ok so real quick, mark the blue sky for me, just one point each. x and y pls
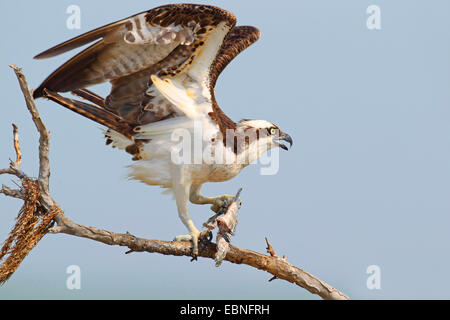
(366, 183)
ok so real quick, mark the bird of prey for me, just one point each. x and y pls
(163, 65)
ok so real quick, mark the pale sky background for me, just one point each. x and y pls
(367, 181)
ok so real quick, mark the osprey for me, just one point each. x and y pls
(163, 65)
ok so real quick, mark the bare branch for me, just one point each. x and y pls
(278, 267)
(13, 170)
(16, 145)
(270, 249)
(14, 193)
(44, 145)
(14, 166)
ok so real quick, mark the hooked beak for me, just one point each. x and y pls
(287, 138)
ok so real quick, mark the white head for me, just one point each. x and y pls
(259, 136)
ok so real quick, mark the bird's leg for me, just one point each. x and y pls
(182, 197)
(217, 202)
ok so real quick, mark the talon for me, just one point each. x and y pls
(222, 203)
(185, 237)
(193, 238)
(215, 208)
(205, 236)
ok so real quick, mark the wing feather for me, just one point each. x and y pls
(130, 45)
(188, 44)
(237, 40)
(81, 40)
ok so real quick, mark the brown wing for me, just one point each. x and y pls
(134, 97)
(237, 40)
(130, 50)
(161, 41)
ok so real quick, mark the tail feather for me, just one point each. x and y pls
(94, 112)
(90, 96)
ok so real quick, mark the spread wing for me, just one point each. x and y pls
(156, 62)
(237, 40)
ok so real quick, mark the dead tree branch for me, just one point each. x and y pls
(37, 192)
(44, 144)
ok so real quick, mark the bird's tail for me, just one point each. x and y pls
(96, 112)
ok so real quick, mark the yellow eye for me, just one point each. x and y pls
(273, 130)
